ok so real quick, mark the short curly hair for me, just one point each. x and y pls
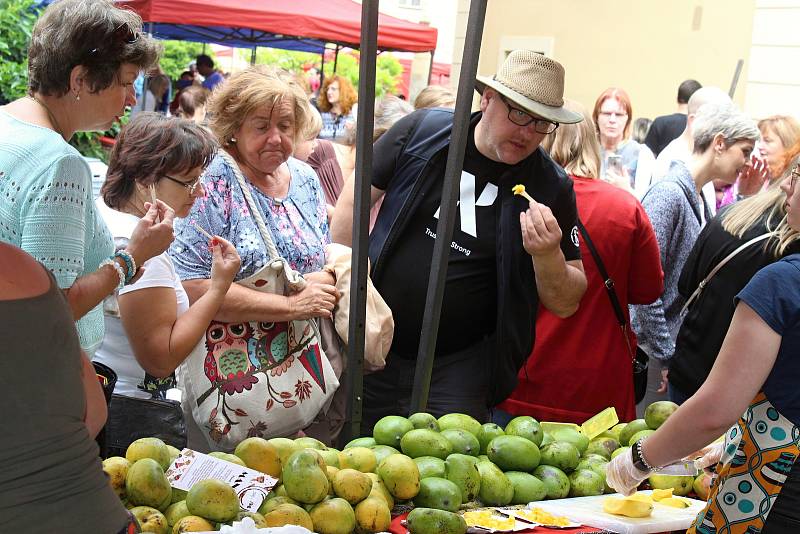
(150, 146)
(92, 33)
(258, 85)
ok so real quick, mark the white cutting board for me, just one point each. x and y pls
(589, 511)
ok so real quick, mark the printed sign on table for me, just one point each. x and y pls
(250, 485)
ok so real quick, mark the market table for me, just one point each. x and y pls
(398, 528)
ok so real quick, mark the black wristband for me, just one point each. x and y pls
(638, 460)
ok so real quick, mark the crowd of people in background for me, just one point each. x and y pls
(549, 305)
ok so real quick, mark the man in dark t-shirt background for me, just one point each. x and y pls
(506, 256)
(667, 127)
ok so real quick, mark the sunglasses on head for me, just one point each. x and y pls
(123, 34)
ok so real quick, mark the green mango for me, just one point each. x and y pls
(496, 489)
(527, 488)
(555, 481)
(459, 420)
(432, 521)
(430, 466)
(438, 493)
(462, 470)
(526, 427)
(425, 442)
(513, 453)
(487, 433)
(304, 477)
(462, 441)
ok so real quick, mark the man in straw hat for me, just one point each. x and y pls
(507, 255)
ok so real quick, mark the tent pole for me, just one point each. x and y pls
(430, 67)
(336, 58)
(146, 82)
(447, 216)
(253, 56)
(322, 67)
(354, 371)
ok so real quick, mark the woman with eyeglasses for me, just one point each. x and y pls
(150, 327)
(613, 116)
(723, 140)
(751, 397)
(83, 58)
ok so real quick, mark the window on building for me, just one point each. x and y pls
(410, 3)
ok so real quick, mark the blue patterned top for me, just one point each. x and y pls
(298, 223)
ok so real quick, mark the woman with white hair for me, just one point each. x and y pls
(723, 140)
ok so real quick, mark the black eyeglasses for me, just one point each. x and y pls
(123, 34)
(522, 118)
(191, 186)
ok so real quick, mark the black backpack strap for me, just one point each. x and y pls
(608, 282)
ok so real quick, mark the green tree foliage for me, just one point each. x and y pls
(17, 18)
(177, 56)
(388, 68)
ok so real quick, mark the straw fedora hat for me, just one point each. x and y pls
(534, 82)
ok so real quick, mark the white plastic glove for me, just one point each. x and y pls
(623, 476)
(708, 456)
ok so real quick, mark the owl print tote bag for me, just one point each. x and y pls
(264, 379)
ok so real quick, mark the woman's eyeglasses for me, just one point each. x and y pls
(191, 186)
(123, 34)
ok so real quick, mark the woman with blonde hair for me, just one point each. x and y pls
(258, 117)
(778, 134)
(558, 382)
(337, 104)
(706, 321)
(435, 96)
(751, 398)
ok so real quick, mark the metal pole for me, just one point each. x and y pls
(322, 68)
(735, 80)
(146, 81)
(253, 55)
(354, 377)
(447, 216)
(430, 67)
(336, 57)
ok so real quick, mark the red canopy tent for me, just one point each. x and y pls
(260, 22)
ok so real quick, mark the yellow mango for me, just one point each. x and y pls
(675, 502)
(627, 507)
(659, 494)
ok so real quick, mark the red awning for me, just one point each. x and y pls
(334, 21)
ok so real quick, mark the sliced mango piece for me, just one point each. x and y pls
(659, 494)
(675, 502)
(627, 507)
(644, 497)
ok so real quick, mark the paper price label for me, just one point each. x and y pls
(250, 485)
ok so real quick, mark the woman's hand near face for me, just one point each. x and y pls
(153, 234)
(753, 176)
(225, 264)
(316, 300)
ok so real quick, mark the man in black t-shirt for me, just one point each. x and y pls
(667, 127)
(506, 255)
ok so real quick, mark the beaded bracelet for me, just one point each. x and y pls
(130, 263)
(111, 261)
